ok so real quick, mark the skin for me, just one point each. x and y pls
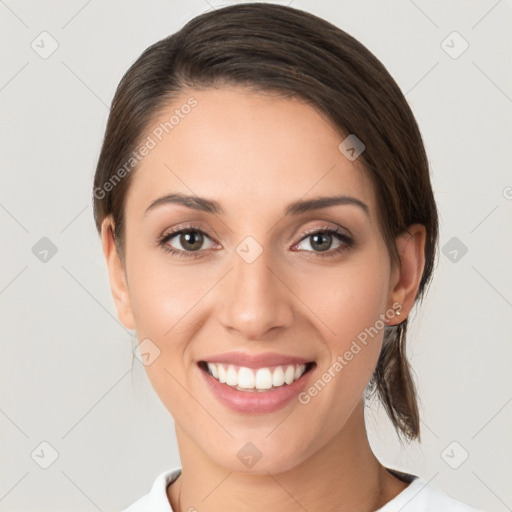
(255, 153)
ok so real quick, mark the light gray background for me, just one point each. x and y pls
(66, 360)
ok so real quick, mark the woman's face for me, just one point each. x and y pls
(251, 279)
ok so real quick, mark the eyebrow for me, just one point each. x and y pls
(295, 208)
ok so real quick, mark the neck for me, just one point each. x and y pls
(344, 475)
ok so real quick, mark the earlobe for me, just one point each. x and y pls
(117, 276)
(411, 247)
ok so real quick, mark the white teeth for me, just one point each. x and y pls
(289, 374)
(213, 370)
(278, 377)
(244, 378)
(231, 376)
(222, 373)
(263, 379)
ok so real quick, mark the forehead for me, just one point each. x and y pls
(245, 149)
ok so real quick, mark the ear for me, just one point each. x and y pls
(407, 276)
(117, 275)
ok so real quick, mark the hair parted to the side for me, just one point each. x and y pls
(283, 50)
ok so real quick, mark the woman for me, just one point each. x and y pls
(268, 222)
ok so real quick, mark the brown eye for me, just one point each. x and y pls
(185, 242)
(191, 240)
(321, 241)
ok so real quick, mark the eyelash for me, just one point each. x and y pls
(342, 237)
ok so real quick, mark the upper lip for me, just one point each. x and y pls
(256, 360)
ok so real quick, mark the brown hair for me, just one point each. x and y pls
(274, 48)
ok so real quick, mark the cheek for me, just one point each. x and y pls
(166, 304)
(346, 299)
(162, 294)
(348, 302)
(162, 298)
(351, 309)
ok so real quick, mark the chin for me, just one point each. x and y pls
(259, 458)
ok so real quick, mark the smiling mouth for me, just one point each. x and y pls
(256, 379)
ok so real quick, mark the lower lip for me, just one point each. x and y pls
(255, 402)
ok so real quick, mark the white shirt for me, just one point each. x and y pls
(418, 496)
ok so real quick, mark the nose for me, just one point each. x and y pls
(254, 298)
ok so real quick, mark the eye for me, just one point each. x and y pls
(320, 241)
(191, 239)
